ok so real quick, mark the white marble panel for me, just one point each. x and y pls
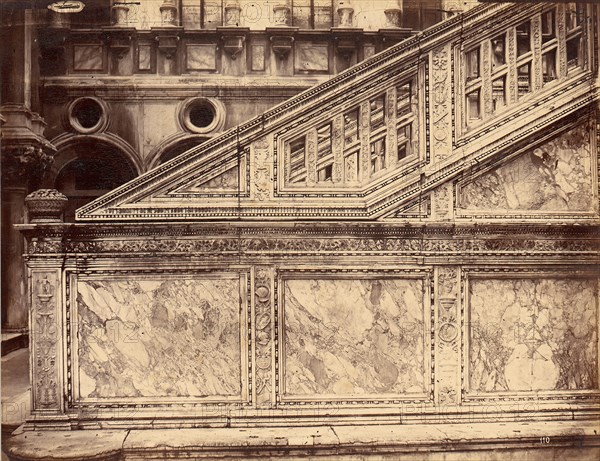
(354, 337)
(151, 338)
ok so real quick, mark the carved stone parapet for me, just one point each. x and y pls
(119, 13)
(60, 13)
(46, 205)
(232, 15)
(346, 15)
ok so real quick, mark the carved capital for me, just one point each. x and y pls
(20, 163)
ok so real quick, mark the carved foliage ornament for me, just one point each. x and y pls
(263, 337)
(45, 377)
(447, 335)
(19, 163)
(440, 107)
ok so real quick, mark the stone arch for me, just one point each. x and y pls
(172, 146)
(88, 166)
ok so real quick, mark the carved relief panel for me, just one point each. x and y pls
(448, 319)
(441, 93)
(261, 165)
(46, 331)
(264, 347)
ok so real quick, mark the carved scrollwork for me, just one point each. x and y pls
(263, 178)
(263, 334)
(447, 334)
(441, 106)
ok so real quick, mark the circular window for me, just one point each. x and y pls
(202, 115)
(87, 115)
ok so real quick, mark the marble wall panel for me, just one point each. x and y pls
(353, 337)
(554, 177)
(151, 338)
(311, 57)
(201, 57)
(533, 334)
(258, 57)
(145, 57)
(88, 57)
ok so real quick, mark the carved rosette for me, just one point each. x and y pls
(263, 335)
(262, 175)
(440, 103)
(45, 339)
(447, 336)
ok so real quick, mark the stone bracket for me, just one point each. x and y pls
(233, 39)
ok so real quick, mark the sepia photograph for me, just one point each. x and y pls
(361, 230)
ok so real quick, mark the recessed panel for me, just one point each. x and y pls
(533, 334)
(175, 337)
(555, 177)
(354, 337)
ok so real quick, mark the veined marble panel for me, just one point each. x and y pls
(88, 57)
(311, 57)
(354, 337)
(533, 334)
(554, 177)
(201, 57)
(149, 338)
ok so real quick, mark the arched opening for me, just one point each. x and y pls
(181, 147)
(91, 170)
